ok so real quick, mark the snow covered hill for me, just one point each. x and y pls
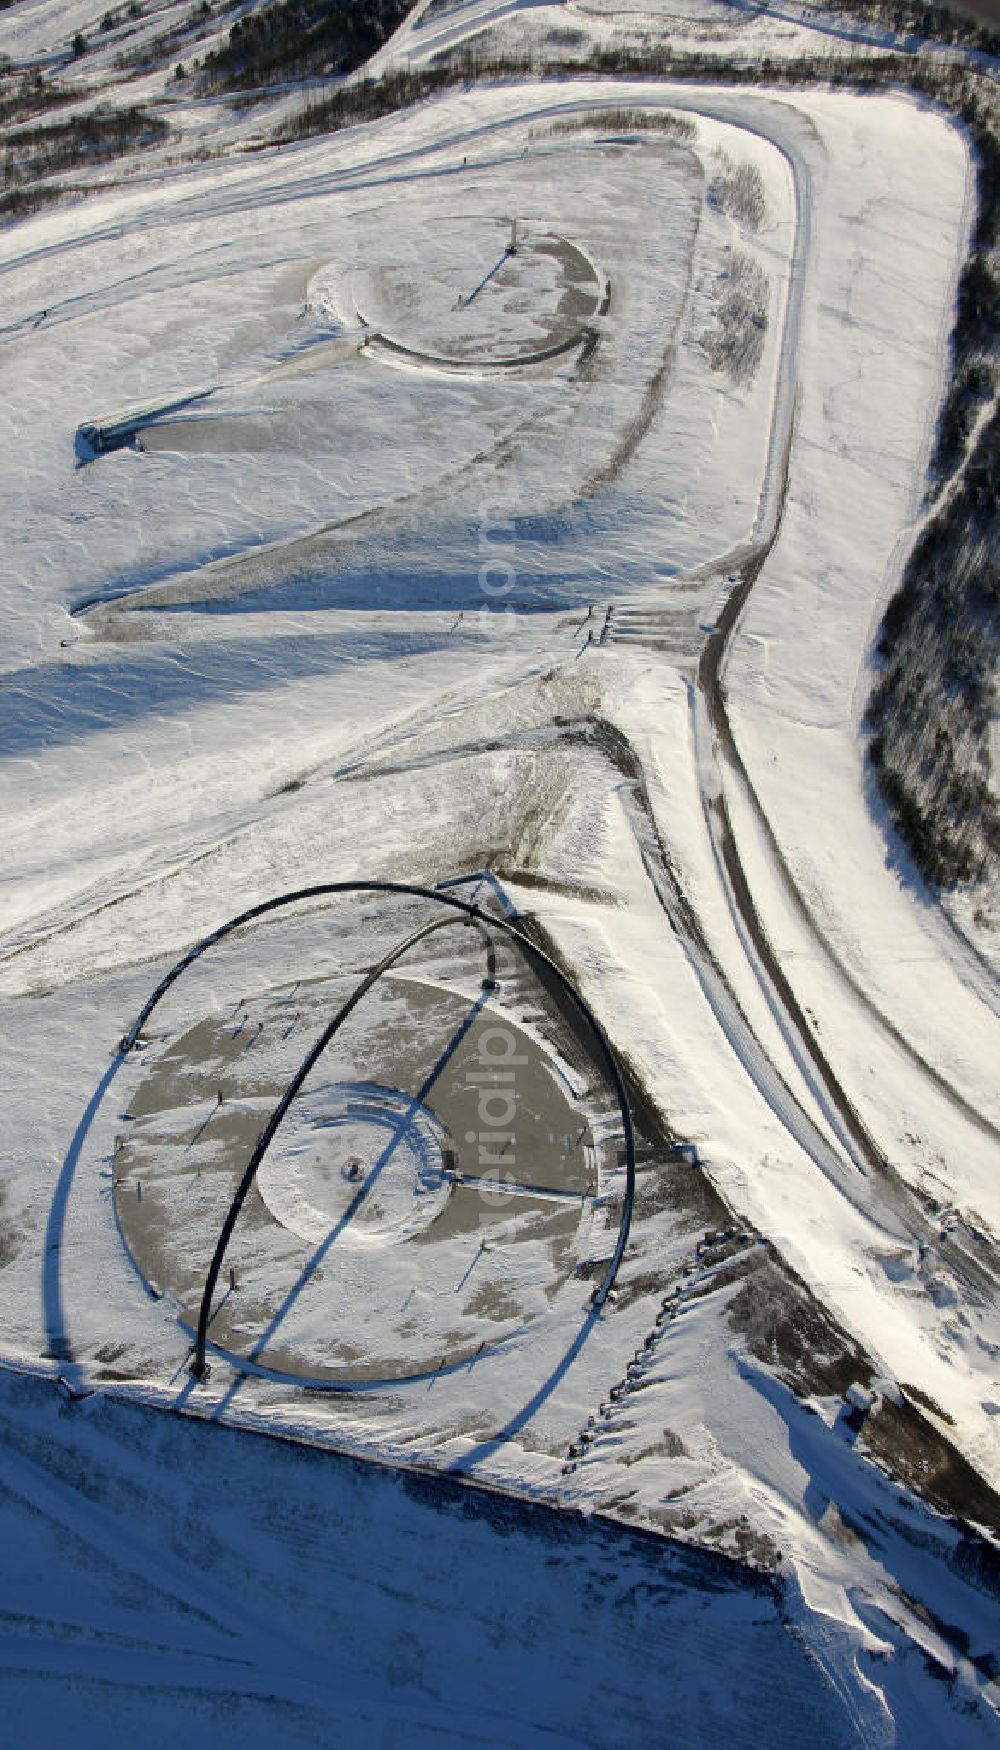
(503, 490)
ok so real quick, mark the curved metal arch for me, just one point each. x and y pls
(323, 890)
(199, 1366)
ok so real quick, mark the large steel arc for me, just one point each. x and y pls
(472, 914)
(266, 1137)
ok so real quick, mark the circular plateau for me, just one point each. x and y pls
(483, 292)
(430, 1190)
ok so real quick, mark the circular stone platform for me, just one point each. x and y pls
(471, 299)
(424, 1200)
(363, 1160)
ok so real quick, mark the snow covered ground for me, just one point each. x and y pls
(412, 548)
(243, 1592)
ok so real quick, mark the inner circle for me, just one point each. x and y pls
(481, 291)
(360, 1160)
